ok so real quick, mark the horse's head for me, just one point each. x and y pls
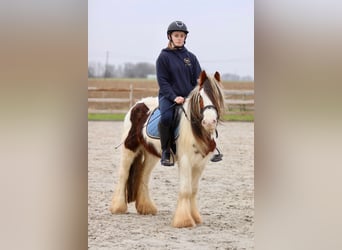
(207, 102)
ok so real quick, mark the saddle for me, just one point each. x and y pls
(153, 121)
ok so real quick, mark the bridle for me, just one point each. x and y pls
(210, 107)
(202, 109)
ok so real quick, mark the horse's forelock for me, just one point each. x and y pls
(213, 90)
(194, 108)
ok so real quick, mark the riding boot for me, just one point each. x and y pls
(165, 137)
(172, 140)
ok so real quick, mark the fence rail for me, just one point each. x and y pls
(119, 100)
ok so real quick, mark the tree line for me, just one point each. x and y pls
(127, 70)
(140, 70)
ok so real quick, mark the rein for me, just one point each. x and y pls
(186, 116)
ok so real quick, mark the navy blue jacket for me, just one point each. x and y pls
(177, 72)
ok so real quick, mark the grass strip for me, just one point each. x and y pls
(120, 117)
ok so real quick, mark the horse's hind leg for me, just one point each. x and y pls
(144, 204)
(119, 200)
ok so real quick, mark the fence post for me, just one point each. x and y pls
(130, 95)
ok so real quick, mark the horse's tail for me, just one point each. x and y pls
(134, 142)
(134, 177)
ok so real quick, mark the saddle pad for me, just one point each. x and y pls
(152, 125)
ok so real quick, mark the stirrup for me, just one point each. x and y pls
(217, 157)
(168, 162)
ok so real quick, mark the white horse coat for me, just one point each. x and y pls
(195, 145)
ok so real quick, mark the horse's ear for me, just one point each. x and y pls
(217, 76)
(203, 76)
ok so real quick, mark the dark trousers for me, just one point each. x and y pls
(166, 111)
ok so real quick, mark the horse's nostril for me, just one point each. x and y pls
(210, 122)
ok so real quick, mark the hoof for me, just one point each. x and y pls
(118, 208)
(198, 220)
(183, 223)
(197, 217)
(146, 209)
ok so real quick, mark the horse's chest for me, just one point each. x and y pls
(197, 156)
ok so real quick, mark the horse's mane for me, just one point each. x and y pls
(212, 88)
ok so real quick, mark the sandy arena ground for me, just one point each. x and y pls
(225, 199)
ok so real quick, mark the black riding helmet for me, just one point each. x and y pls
(177, 26)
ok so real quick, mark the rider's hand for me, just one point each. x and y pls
(179, 100)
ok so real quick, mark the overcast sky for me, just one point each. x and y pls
(221, 32)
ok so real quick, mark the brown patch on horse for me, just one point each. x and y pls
(205, 148)
(205, 143)
(134, 139)
(134, 178)
(150, 148)
(211, 146)
(139, 114)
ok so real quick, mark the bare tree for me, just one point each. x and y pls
(110, 71)
(128, 70)
(91, 71)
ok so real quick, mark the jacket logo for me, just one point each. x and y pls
(187, 61)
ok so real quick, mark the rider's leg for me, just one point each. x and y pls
(166, 116)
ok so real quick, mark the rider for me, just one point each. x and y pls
(177, 72)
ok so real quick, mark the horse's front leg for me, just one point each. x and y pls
(182, 217)
(196, 175)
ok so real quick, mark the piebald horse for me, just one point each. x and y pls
(195, 145)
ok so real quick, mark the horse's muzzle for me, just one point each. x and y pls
(209, 125)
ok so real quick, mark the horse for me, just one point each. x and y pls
(202, 111)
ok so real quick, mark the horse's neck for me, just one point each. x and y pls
(188, 141)
(186, 112)
(206, 143)
(185, 118)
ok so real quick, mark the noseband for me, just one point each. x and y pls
(208, 107)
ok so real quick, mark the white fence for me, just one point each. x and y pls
(235, 100)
